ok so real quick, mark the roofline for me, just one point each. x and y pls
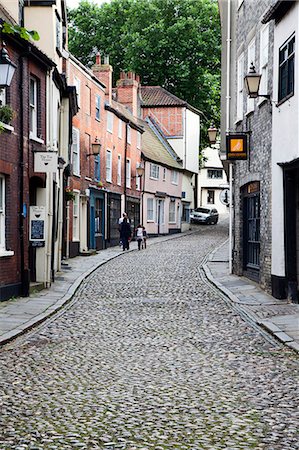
(278, 10)
(86, 70)
(146, 158)
(156, 130)
(124, 118)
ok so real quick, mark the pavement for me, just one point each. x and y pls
(278, 317)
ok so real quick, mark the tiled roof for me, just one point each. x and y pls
(156, 149)
(158, 96)
(124, 112)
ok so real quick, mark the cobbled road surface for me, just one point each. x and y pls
(149, 357)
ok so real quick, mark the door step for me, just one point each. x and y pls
(36, 287)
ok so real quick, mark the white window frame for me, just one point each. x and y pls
(164, 173)
(150, 210)
(172, 211)
(128, 134)
(240, 86)
(264, 60)
(128, 173)
(33, 108)
(138, 140)
(119, 170)
(120, 128)
(174, 177)
(108, 166)
(77, 84)
(110, 118)
(154, 171)
(58, 34)
(76, 216)
(98, 107)
(76, 151)
(250, 59)
(162, 211)
(2, 96)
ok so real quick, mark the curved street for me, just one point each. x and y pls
(149, 357)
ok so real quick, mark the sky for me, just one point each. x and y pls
(75, 3)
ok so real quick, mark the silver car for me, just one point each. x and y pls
(204, 215)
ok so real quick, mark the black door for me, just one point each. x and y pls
(252, 231)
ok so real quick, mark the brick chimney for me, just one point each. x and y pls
(103, 72)
(127, 91)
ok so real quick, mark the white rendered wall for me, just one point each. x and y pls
(284, 136)
(192, 140)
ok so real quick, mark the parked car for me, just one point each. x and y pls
(204, 215)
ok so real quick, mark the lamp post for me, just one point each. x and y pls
(212, 133)
(139, 174)
(7, 68)
(252, 83)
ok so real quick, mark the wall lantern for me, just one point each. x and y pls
(252, 83)
(7, 68)
(212, 133)
(95, 148)
(139, 171)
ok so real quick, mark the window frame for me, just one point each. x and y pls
(110, 120)
(33, 107)
(250, 59)
(129, 136)
(286, 62)
(154, 171)
(240, 87)
(220, 171)
(76, 216)
(172, 213)
(174, 177)
(109, 167)
(212, 193)
(152, 218)
(97, 168)
(77, 84)
(128, 173)
(98, 107)
(264, 61)
(76, 164)
(119, 170)
(3, 96)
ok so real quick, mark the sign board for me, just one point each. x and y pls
(224, 197)
(236, 146)
(45, 162)
(37, 223)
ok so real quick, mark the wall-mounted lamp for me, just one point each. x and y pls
(252, 83)
(139, 172)
(7, 68)
(95, 148)
(212, 133)
(61, 162)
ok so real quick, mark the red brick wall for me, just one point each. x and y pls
(169, 118)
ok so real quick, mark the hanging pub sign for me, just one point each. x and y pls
(236, 146)
(45, 162)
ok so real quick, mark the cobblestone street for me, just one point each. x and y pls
(148, 356)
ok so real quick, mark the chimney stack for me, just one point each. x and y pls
(103, 72)
(127, 91)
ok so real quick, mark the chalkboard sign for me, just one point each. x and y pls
(37, 230)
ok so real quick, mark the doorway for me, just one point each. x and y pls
(251, 231)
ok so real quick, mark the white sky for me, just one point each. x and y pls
(75, 3)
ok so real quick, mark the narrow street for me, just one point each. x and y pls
(148, 356)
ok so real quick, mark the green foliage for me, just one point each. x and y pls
(6, 114)
(8, 28)
(172, 43)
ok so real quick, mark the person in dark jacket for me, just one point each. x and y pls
(125, 234)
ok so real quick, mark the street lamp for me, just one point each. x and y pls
(7, 68)
(212, 133)
(95, 148)
(252, 83)
(139, 171)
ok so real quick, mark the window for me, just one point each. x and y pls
(172, 211)
(119, 170)
(250, 59)
(97, 168)
(76, 216)
(2, 213)
(77, 84)
(76, 151)
(138, 179)
(33, 107)
(109, 121)
(154, 171)
(128, 177)
(240, 84)
(58, 34)
(211, 197)
(164, 174)
(88, 100)
(108, 166)
(128, 134)
(215, 173)
(98, 107)
(2, 96)
(174, 177)
(150, 210)
(286, 69)
(98, 217)
(264, 56)
(120, 128)
(160, 212)
(138, 140)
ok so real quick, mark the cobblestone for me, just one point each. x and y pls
(149, 357)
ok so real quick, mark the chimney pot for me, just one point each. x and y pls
(98, 58)
(106, 59)
(122, 75)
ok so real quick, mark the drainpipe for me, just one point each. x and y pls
(24, 272)
(228, 98)
(125, 167)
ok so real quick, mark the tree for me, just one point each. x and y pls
(172, 43)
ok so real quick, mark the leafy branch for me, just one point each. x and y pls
(8, 28)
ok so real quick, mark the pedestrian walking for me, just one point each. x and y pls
(120, 221)
(144, 234)
(125, 234)
(139, 236)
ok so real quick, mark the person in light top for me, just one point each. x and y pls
(139, 235)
